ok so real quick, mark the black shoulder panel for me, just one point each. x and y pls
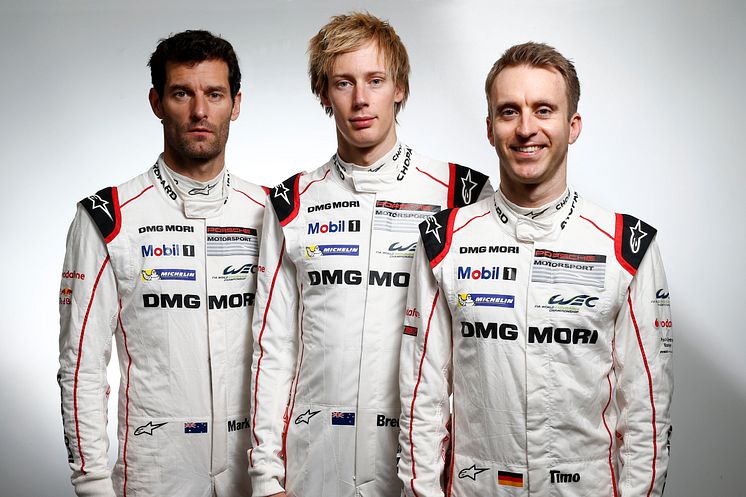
(103, 207)
(436, 234)
(285, 199)
(465, 185)
(631, 241)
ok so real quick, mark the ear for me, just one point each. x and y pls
(236, 106)
(398, 95)
(324, 97)
(576, 126)
(155, 103)
(490, 136)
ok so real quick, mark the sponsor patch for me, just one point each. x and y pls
(485, 300)
(486, 273)
(195, 427)
(148, 428)
(73, 275)
(401, 217)
(471, 472)
(661, 298)
(571, 304)
(236, 272)
(564, 267)
(232, 240)
(306, 416)
(167, 250)
(343, 418)
(326, 250)
(168, 274)
(410, 330)
(340, 226)
(66, 294)
(510, 479)
(399, 249)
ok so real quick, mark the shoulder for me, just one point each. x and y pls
(257, 194)
(631, 236)
(437, 232)
(465, 185)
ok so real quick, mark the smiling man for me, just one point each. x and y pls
(545, 316)
(335, 259)
(166, 263)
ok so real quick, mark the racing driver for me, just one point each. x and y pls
(165, 263)
(334, 268)
(546, 317)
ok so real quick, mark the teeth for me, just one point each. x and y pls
(528, 149)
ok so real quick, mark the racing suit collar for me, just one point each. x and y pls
(184, 193)
(382, 175)
(537, 223)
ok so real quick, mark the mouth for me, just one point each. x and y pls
(362, 122)
(527, 150)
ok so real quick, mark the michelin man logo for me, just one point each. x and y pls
(465, 300)
(150, 275)
(313, 251)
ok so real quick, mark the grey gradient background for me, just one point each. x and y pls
(662, 97)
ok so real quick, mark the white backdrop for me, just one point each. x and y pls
(662, 89)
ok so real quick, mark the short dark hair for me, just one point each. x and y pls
(537, 55)
(193, 46)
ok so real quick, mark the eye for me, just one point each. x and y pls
(376, 81)
(215, 95)
(342, 84)
(508, 113)
(544, 112)
(179, 94)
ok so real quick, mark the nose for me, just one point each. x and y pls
(527, 125)
(199, 107)
(360, 96)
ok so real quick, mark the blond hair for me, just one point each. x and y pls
(347, 33)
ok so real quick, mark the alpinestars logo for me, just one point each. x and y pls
(471, 472)
(467, 186)
(636, 237)
(205, 190)
(306, 417)
(282, 191)
(148, 428)
(433, 227)
(99, 203)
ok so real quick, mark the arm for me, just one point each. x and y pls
(424, 383)
(275, 329)
(88, 318)
(644, 360)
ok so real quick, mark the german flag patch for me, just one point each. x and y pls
(510, 479)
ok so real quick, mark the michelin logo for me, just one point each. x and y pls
(321, 250)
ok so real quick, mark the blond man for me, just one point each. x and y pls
(334, 269)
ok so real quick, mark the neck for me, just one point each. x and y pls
(364, 156)
(196, 169)
(532, 195)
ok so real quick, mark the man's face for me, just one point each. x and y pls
(529, 125)
(196, 110)
(362, 95)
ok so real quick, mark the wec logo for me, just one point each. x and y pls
(578, 300)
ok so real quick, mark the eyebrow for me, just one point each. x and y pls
(368, 74)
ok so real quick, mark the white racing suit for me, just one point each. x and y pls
(551, 328)
(170, 276)
(334, 268)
